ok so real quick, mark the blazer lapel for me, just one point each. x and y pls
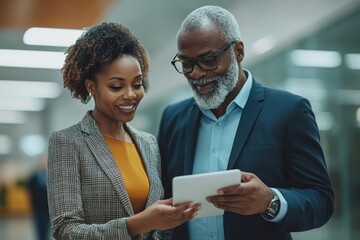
(250, 113)
(192, 130)
(104, 158)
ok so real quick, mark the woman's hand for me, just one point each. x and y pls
(162, 215)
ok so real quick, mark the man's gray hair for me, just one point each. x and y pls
(223, 19)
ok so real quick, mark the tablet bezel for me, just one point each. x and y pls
(197, 187)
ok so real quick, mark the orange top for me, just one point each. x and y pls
(132, 171)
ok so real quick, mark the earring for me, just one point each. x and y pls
(89, 94)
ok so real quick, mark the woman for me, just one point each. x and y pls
(103, 174)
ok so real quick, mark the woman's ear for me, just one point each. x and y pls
(90, 86)
(239, 51)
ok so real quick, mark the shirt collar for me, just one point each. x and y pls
(244, 93)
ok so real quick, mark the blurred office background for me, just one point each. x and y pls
(309, 47)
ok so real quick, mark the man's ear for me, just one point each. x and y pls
(239, 51)
(90, 86)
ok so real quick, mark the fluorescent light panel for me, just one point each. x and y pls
(263, 45)
(29, 89)
(12, 117)
(311, 88)
(352, 60)
(21, 103)
(51, 36)
(315, 58)
(31, 59)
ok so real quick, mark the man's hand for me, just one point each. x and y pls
(252, 196)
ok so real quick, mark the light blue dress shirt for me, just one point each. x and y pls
(215, 138)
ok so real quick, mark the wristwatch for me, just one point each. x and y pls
(274, 207)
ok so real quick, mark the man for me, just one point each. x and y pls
(233, 122)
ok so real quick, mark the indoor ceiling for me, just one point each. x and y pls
(155, 22)
(52, 13)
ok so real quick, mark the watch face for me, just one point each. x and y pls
(274, 207)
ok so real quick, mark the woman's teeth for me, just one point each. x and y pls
(126, 107)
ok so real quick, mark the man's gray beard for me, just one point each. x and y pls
(224, 85)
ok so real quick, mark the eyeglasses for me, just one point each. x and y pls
(204, 63)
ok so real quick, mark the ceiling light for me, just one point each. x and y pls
(51, 36)
(31, 59)
(32, 145)
(311, 88)
(263, 45)
(12, 117)
(315, 58)
(29, 89)
(352, 60)
(21, 103)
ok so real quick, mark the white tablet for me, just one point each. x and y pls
(197, 187)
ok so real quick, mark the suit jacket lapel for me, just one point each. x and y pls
(249, 115)
(103, 156)
(192, 130)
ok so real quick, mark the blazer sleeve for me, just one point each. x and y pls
(65, 199)
(310, 197)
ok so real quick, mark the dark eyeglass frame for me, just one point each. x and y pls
(196, 61)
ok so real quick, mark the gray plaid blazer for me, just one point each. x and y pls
(86, 193)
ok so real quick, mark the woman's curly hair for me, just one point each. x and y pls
(95, 50)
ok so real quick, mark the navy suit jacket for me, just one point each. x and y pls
(278, 140)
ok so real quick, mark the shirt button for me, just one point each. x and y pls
(215, 150)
